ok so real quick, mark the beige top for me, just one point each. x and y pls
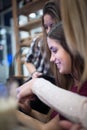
(70, 105)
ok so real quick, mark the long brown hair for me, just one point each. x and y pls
(53, 10)
(57, 33)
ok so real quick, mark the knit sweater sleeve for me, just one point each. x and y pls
(70, 105)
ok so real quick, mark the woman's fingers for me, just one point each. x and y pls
(76, 127)
(69, 125)
(66, 124)
(25, 90)
(36, 75)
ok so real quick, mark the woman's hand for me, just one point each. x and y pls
(67, 125)
(77, 127)
(24, 106)
(25, 91)
(36, 74)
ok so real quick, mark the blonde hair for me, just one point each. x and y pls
(74, 17)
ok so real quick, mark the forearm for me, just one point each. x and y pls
(30, 67)
(70, 105)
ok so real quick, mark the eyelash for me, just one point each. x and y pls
(46, 27)
(52, 25)
(54, 50)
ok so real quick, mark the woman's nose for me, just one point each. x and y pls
(48, 30)
(52, 58)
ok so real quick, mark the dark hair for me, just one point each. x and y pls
(52, 9)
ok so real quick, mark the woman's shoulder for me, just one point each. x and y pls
(83, 89)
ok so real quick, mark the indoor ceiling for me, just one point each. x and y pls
(5, 4)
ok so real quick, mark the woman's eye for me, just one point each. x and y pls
(54, 50)
(52, 25)
(45, 27)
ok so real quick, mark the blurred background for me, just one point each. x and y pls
(20, 21)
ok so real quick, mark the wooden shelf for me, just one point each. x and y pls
(26, 42)
(31, 7)
(20, 77)
(31, 25)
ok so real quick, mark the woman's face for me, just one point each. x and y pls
(59, 56)
(49, 22)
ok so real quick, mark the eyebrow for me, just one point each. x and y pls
(48, 24)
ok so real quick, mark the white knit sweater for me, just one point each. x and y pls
(70, 105)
